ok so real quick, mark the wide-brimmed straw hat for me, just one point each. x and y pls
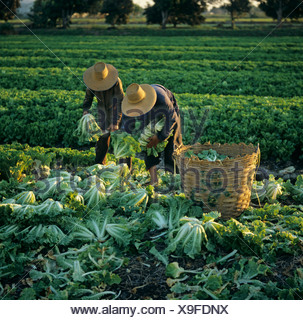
(101, 76)
(138, 100)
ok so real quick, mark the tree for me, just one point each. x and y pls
(68, 7)
(279, 9)
(153, 14)
(190, 12)
(8, 9)
(165, 6)
(159, 12)
(42, 14)
(94, 7)
(175, 12)
(46, 13)
(237, 8)
(117, 11)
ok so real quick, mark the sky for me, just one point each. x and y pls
(142, 3)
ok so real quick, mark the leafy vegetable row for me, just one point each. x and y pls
(137, 63)
(184, 48)
(262, 83)
(79, 229)
(49, 117)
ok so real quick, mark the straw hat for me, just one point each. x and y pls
(138, 100)
(101, 76)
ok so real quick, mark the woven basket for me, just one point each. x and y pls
(223, 186)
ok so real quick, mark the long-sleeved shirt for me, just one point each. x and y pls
(166, 105)
(109, 104)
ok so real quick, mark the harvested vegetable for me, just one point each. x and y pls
(49, 187)
(173, 270)
(88, 129)
(273, 190)
(258, 191)
(150, 130)
(158, 216)
(268, 190)
(26, 197)
(95, 196)
(100, 230)
(124, 145)
(209, 155)
(49, 206)
(296, 191)
(91, 181)
(190, 237)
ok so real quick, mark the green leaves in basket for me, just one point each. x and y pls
(209, 155)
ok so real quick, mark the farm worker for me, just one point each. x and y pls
(149, 103)
(102, 82)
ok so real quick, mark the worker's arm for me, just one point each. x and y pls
(117, 102)
(170, 115)
(88, 100)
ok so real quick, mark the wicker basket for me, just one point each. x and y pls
(225, 185)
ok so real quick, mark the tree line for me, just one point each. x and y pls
(50, 13)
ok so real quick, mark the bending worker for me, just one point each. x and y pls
(150, 103)
(102, 82)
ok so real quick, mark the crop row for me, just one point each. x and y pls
(229, 83)
(121, 63)
(17, 159)
(49, 117)
(91, 42)
(155, 53)
(53, 234)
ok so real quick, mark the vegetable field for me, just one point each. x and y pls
(70, 229)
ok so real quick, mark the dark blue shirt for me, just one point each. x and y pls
(166, 105)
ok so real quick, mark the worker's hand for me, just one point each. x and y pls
(85, 112)
(113, 127)
(153, 141)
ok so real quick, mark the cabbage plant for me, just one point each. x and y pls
(150, 130)
(88, 130)
(26, 197)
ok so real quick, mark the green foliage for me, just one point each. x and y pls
(281, 9)
(25, 197)
(75, 246)
(209, 155)
(190, 237)
(18, 160)
(188, 12)
(101, 229)
(88, 129)
(6, 28)
(175, 12)
(252, 114)
(95, 196)
(174, 270)
(236, 8)
(150, 130)
(124, 145)
(117, 11)
(268, 191)
(47, 13)
(159, 12)
(74, 249)
(8, 9)
(43, 14)
(296, 191)
(75, 202)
